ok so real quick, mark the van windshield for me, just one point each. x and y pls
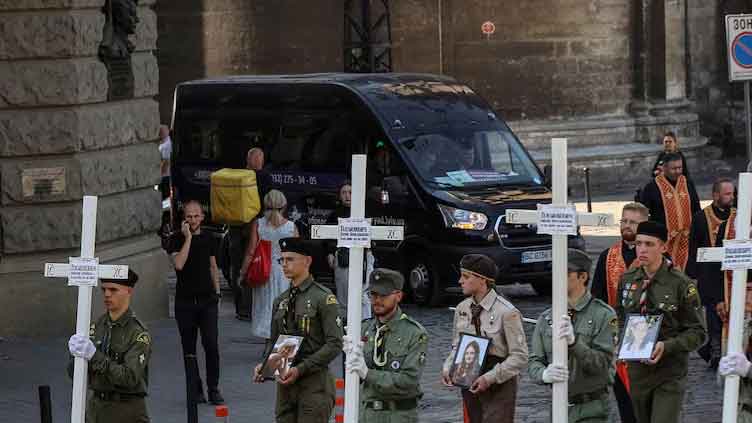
(461, 158)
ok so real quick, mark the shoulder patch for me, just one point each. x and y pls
(92, 328)
(331, 299)
(143, 338)
(691, 290)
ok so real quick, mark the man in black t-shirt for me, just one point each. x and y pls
(197, 295)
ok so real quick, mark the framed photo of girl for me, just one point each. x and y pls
(639, 337)
(468, 359)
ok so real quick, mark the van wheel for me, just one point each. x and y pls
(424, 282)
(542, 288)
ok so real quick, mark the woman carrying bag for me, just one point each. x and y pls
(263, 253)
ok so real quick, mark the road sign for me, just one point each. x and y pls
(488, 28)
(739, 46)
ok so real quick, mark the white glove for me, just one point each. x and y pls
(734, 364)
(349, 345)
(566, 330)
(81, 346)
(555, 373)
(355, 363)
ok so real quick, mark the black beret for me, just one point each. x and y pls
(578, 261)
(131, 281)
(654, 229)
(295, 245)
(385, 281)
(481, 265)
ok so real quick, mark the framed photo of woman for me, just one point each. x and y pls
(280, 359)
(468, 359)
(640, 336)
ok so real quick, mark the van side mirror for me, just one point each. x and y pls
(547, 172)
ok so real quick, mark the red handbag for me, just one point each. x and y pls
(261, 265)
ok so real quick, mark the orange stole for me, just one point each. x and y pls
(714, 222)
(615, 268)
(678, 209)
(728, 277)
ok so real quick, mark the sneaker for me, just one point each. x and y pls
(215, 398)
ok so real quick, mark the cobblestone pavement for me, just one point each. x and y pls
(26, 364)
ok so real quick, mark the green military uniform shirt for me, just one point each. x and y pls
(591, 357)
(673, 295)
(313, 313)
(119, 370)
(392, 384)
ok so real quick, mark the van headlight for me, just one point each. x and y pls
(463, 219)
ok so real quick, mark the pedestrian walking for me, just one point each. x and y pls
(492, 392)
(272, 227)
(612, 263)
(705, 226)
(118, 349)
(590, 328)
(391, 357)
(672, 200)
(670, 146)
(306, 391)
(658, 289)
(197, 296)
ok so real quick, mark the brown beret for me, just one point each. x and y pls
(481, 265)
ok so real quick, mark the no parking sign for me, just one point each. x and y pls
(739, 43)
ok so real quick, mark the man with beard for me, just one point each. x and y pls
(391, 362)
(672, 201)
(612, 264)
(705, 225)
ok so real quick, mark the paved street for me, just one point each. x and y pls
(24, 365)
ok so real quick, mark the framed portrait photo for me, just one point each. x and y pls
(639, 337)
(468, 359)
(280, 359)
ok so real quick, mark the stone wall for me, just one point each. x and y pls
(61, 139)
(229, 37)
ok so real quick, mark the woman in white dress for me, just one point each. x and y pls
(272, 227)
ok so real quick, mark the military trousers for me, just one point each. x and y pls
(131, 411)
(309, 400)
(595, 411)
(496, 405)
(658, 402)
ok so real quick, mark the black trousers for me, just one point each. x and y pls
(200, 314)
(623, 401)
(712, 348)
(241, 292)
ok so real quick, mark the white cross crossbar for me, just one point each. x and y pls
(521, 217)
(104, 271)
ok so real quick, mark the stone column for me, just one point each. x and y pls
(60, 139)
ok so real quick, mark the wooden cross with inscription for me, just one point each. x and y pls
(735, 255)
(84, 272)
(355, 233)
(559, 220)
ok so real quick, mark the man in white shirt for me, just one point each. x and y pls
(165, 151)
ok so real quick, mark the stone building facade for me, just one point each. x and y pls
(63, 137)
(611, 75)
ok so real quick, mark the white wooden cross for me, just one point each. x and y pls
(737, 255)
(558, 219)
(356, 233)
(84, 272)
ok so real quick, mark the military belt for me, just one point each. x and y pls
(117, 396)
(392, 405)
(588, 396)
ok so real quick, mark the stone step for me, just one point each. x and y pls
(620, 167)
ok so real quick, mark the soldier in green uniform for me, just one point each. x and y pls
(390, 357)
(305, 394)
(656, 288)
(118, 349)
(591, 331)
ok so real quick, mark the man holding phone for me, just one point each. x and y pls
(197, 295)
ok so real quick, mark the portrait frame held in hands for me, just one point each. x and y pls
(639, 337)
(469, 359)
(280, 359)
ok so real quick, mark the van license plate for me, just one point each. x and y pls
(535, 256)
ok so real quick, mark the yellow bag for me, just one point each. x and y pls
(234, 196)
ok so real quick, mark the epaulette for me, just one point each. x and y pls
(603, 304)
(407, 318)
(140, 323)
(506, 302)
(322, 287)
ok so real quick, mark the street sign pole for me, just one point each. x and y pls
(739, 47)
(748, 122)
